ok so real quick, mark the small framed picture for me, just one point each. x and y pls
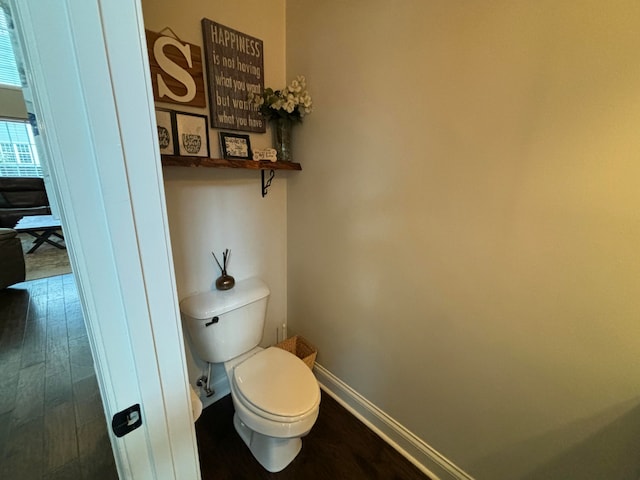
(235, 146)
(166, 125)
(192, 135)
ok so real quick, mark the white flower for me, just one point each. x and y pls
(289, 106)
(277, 105)
(293, 99)
(295, 86)
(256, 99)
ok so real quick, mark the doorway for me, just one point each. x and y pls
(52, 420)
(90, 70)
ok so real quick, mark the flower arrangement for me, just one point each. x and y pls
(291, 103)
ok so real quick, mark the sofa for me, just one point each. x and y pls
(11, 258)
(21, 196)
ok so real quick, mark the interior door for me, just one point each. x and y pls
(86, 63)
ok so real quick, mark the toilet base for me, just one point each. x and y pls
(274, 454)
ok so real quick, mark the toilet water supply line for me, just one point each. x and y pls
(203, 381)
(208, 389)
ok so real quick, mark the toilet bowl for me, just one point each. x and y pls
(271, 416)
(275, 392)
(275, 395)
(196, 404)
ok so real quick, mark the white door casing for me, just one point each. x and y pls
(86, 61)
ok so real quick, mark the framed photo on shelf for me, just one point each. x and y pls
(166, 129)
(192, 135)
(235, 146)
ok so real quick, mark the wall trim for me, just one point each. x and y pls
(428, 460)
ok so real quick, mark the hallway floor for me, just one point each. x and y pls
(52, 424)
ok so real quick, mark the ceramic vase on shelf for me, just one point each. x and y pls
(282, 138)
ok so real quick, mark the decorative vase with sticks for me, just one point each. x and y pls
(224, 281)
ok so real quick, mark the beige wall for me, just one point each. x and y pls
(12, 103)
(464, 238)
(213, 209)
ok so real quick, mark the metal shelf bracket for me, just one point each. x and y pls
(267, 184)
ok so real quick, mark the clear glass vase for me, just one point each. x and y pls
(282, 138)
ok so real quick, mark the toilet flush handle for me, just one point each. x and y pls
(213, 320)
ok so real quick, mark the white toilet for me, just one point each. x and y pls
(196, 404)
(275, 395)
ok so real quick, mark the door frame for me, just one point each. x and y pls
(87, 65)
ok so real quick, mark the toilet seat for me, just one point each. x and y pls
(276, 385)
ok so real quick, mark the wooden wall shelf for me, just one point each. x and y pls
(262, 165)
(178, 161)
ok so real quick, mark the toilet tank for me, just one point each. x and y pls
(223, 324)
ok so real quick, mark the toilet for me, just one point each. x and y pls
(275, 395)
(196, 404)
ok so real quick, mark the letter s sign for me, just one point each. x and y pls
(173, 69)
(176, 70)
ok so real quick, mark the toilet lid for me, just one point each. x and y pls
(277, 382)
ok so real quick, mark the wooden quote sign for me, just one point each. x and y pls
(176, 70)
(235, 65)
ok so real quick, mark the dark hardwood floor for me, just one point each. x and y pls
(52, 424)
(338, 447)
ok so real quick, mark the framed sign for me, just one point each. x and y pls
(166, 126)
(192, 135)
(176, 70)
(235, 67)
(235, 146)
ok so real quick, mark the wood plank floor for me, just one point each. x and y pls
(52, 424)
(338, 447)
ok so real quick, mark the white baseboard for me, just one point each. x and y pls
(428, 460)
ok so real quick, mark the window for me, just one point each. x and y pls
(18, 154)
(8, 71)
